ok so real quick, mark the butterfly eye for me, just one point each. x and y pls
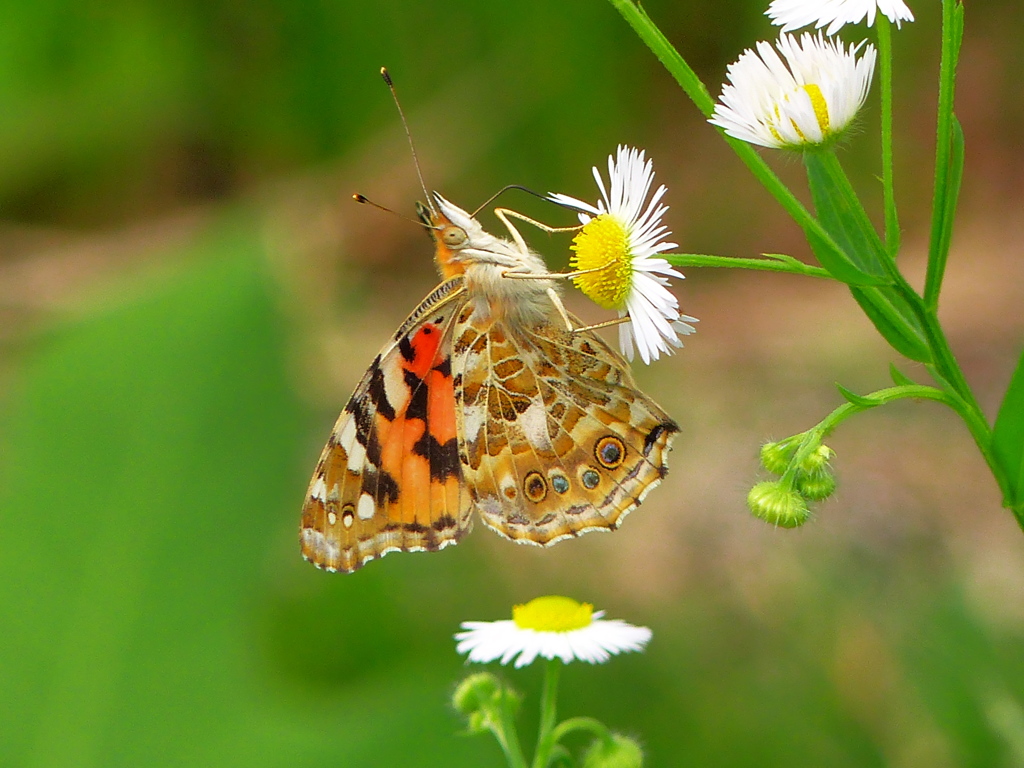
(453, 237)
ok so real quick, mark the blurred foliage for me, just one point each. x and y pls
(155, 447)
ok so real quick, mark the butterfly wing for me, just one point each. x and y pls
(389, 478)
(557, 439)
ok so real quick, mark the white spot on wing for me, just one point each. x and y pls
(356, 457)
(347, 436)
(472, 419)
(319, 490)
(323, 548)
(366, 508)
(534, 422)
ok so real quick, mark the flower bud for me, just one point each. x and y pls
(617, 752)
(815, 480)
(777, 505)
(818, 459)
(775, 457)
(474, 692)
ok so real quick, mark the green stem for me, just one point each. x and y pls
(596, 727)
(968, 412)
(772, 262)
(506, 733)
(676, 65)
(937, 251)
(548, 714)
(892, 224)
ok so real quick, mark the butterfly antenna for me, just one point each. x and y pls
(502, 191)
(367, 201)
(408, 134)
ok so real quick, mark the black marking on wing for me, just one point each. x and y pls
(378, 394)
(443, 522)
(656, 433)
(417, 408)
(365, 432)
(406, 348)
(384, 485)
(443, 458)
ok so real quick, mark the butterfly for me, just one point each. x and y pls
(484, 402)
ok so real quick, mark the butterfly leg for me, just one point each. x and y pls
(557, 301)
(605, 324)
(504, 213)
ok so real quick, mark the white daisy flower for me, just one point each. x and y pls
(794, 14)
(807, 101)
(620, 238)
(552, 627)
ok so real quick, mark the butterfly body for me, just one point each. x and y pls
(483, 401)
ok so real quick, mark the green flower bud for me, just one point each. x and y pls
(818, 459)
(475, 692)
(816, 486)
(780, 506)
(618, 752)
(815, 480)
(775, 457)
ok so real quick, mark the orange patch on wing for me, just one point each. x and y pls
(441, 406)
(425, 344)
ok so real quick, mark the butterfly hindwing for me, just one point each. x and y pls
(557, 440)
(389, 477)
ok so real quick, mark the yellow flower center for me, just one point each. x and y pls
(820, 107)
(553, 614)
(603, 245)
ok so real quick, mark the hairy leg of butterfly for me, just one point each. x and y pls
(504, 213)
(605, 324)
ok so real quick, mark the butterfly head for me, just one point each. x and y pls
(460, 241)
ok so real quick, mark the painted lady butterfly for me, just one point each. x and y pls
(483, 400)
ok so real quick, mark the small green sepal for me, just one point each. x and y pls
(899, 378)
(853, 397)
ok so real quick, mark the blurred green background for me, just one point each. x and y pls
(188, 295)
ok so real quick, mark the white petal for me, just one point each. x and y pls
(794, 14)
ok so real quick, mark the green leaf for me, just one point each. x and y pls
(841, 214)
(1008, 436)
(855, 399)
(899, 378)
(894, 319)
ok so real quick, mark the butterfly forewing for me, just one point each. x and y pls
(389, 477)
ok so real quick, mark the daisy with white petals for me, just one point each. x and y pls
(618, 244)
(808, 100)
(794, 14)
(551, 627)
